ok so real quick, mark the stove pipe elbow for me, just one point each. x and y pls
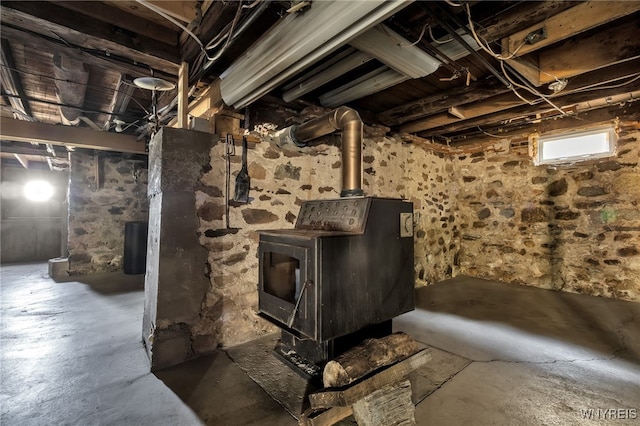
(347, 121)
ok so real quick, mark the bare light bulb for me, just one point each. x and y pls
(38, 190)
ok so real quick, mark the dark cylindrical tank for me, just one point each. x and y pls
(135, 247)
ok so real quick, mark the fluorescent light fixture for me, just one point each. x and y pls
(575, 146)
(38, 191)
(373, 82)
(396, 52)
(454, 50)
(347, 64)
(297, 41)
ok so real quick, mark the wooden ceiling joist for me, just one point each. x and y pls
(79, 137)
(116, 16)
(184, 11)
(22, 159)
(74, 28)
(29, 150)
(567, 104)
(569, 23)
(574, 57)
(481, 111)
(12, 83)
(580, 55)
(441, 102)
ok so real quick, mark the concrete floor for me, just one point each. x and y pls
(71, 354)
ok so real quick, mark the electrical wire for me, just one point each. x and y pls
(233, 25)
(436, 40)
(598, 86)
(489, 134)
(174, 21)
(533, 91)
(501, 59)
(487, 48)
(421, 34)
(454, 4)
(215, 41)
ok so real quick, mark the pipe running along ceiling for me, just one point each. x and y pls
(297, 41)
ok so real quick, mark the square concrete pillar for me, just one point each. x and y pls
(175, 281)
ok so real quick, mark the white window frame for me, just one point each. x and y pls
(540, 141)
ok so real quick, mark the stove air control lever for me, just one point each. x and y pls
(292, 317)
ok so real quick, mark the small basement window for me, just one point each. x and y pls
(573, 147)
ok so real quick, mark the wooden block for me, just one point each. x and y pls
(368, 357)
(390, 405)
(393, 374)
(324, 418)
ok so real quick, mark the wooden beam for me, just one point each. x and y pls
(581, 55)
(117, 17)
(569, 104)
(509, 100)
(472, 110)
(48, 43)
(28, 150)
(528, 67)
(185, 11)
(22, 160)
(80, 137)
(209, 103)
(183, 96)
(75, 28)
(12, 82)
(628, 114)
(570, 22)
(513, 19)
(441, 102)
(206, 105)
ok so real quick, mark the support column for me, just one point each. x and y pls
(175, 281)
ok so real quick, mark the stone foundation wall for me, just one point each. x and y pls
(280, 181)
(489, 214)
(571, 228)
(98, 210)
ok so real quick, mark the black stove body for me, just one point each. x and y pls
(339, 276)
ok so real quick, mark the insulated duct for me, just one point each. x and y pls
(71, 86)
(297, 41)
(346, 120)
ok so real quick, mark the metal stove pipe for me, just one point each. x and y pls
(346, 120)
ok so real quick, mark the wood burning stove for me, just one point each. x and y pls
(341, 274)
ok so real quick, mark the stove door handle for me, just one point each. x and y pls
(292, 317)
